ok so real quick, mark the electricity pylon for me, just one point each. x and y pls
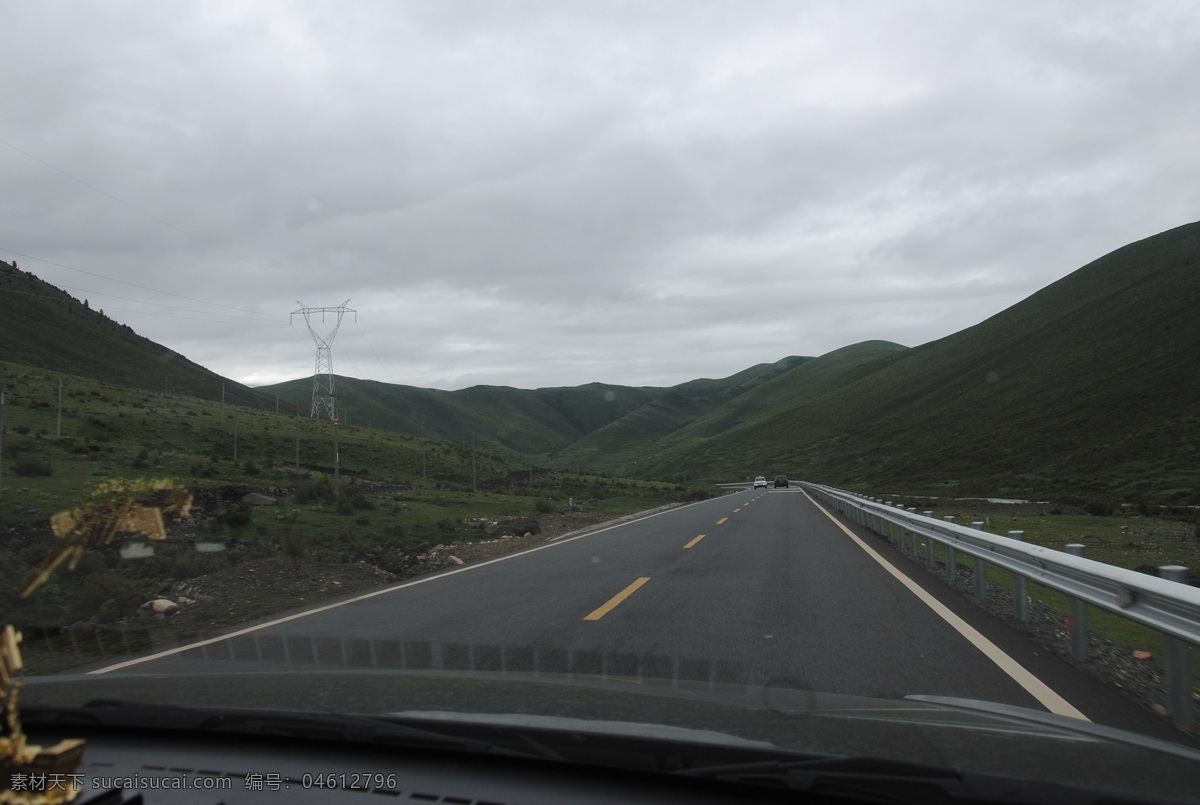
(322, 395)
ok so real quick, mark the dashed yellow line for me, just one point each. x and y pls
(723, 519)
(693, 542)
(617, 599)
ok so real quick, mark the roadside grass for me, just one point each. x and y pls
(396, 495)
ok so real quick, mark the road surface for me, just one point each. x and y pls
(759, 587)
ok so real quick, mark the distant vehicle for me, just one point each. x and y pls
(760, 482)
(781, 480)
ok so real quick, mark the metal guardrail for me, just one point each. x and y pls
(1161, 603)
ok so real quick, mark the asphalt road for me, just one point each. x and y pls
(756, 587)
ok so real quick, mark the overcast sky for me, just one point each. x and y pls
(552, 193)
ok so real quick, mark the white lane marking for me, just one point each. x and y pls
(1036, 687)
(365, 596)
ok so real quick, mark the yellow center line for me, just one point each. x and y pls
(693, 542)
(735, 511)
(723, 519)
(617, 599)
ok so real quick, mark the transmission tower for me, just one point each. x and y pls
(322, 395)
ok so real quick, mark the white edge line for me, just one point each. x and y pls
(365, 596)
(1034, 686)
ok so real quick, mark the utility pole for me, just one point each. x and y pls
(421, 430)
(336, 454)
(322, 395)
(235, 429)
(297, 442)
(58, 427)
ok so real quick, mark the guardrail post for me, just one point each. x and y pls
(980, 568)
(912, 537)
(951, 555)
(1178, 660)
(1020, 595)
(1020, 599)
(929, 557)
(1077, 615)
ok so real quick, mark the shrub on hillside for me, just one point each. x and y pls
(314, 490)
(239, 515)
(33, 467)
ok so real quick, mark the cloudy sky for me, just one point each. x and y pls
(533, 194)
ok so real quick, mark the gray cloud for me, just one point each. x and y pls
(546, 193)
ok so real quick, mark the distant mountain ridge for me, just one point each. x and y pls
(543, 425)
(1091, 385)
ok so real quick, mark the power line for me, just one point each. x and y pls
(133, 284)
(227, 317)
(392, 374)
(175, 316)
(104, 247)
(133, 207)
(104, 193)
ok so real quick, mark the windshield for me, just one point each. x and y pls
(379, 359)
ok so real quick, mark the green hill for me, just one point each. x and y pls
(50, 329)
(1089, 385)
(744, 437)
(548, 425)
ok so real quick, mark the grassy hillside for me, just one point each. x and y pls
(1091, 385)
(624, 444)
(743, 437)
(48, 328)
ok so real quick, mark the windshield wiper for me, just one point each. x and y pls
(866, 779)
(286, 724)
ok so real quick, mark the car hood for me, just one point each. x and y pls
(965, 735)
